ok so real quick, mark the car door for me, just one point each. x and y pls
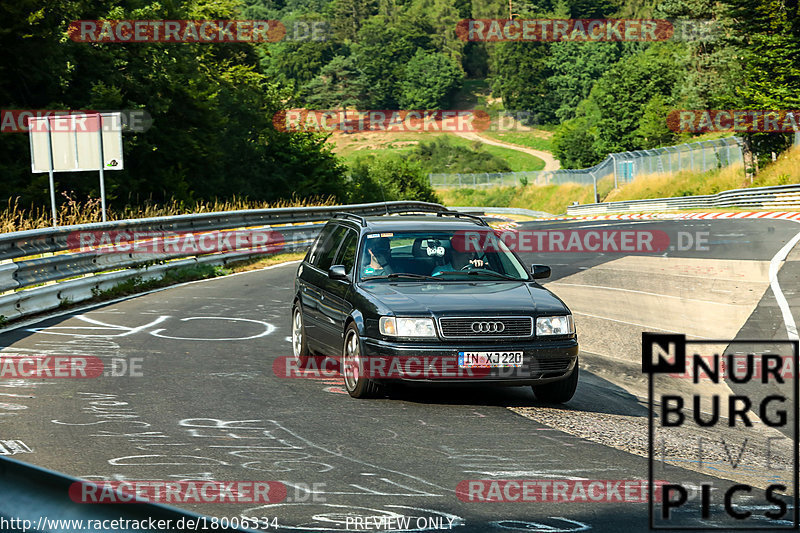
(313, 275)
(335, 291)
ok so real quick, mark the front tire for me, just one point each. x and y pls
(558, 391)
(356, 383)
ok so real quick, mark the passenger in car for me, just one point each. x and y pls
(458, 257)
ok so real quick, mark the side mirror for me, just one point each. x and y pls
(337, 272)
(540, 271)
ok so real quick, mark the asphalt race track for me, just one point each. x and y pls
(197, 398)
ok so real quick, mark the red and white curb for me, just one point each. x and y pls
(782, 215)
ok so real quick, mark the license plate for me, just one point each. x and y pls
(489, 359)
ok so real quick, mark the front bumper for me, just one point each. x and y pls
(437, 362)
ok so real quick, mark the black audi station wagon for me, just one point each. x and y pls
(430, 299)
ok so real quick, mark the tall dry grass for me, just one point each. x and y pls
(72, 211)
(784, 171)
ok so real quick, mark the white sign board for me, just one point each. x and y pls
(75, 142)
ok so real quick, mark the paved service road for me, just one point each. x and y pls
(203, 403)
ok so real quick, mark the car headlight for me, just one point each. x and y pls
(407, 327)
(554, 325)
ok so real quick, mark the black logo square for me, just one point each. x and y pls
(663, 346)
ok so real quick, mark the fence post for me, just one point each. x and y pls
(704, 159)
(614, 162)
(596, 196)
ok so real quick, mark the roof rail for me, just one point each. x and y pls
(474, 218)
(358, 218)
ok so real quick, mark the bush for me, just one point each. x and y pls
(388, 179)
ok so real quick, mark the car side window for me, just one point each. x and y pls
(313, 254)
(329, 248)
(347, 252)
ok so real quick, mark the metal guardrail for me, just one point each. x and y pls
(31, 493)
(782, 196)
(37, 257)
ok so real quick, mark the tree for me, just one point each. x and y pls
(382, 52)
(573, 144)
(429, 81)
(212, 133)
(619, 97)
(653, 131)
(348, 16)
(768, 41)
(339, 85)
(519, 76)
(575, 68)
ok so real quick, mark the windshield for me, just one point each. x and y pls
(438, 255)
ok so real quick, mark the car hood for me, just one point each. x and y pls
(467, 298)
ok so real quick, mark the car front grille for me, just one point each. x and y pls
(486, 327)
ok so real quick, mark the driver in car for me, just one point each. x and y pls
(460, 257)
(377, 257)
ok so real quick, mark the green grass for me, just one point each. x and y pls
(171, 277)
(533, 139)
(548, 198)
(518, 161)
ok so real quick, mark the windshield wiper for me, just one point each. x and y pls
(493, 273)
(395, 275)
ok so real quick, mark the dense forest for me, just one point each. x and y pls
(212, 104)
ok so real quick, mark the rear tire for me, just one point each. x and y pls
(356, 383)
(299, 345)
(558, 391)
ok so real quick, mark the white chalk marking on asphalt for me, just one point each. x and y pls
(12, 406)
(13, 447)
(358, 461)
(268, 328)
(538, 527)
(102, 325)
(774, 267)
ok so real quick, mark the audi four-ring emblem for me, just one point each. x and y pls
(488, 327)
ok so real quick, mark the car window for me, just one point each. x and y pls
(329, 248)
(347, 252)
(313, 254)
